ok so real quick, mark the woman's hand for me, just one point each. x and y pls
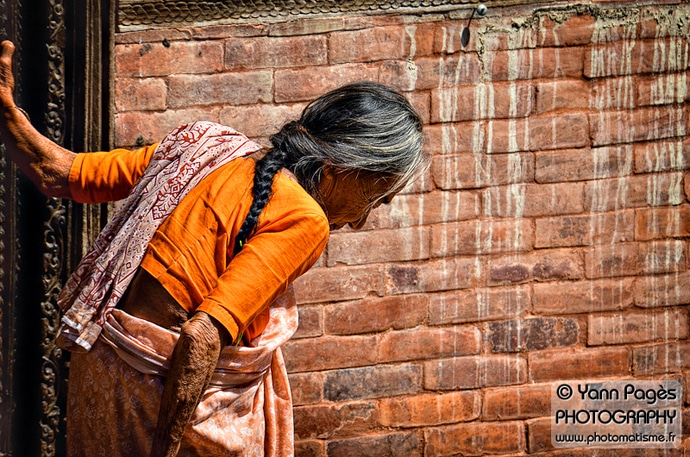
(45, 163)
(6, 75)
(193, 361)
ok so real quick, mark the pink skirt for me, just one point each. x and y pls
(115, 391)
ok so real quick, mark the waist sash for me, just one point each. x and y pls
(148, 347)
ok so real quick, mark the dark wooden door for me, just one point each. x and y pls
(61, 68)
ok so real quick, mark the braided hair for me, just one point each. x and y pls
(264, 171)
(361, 127)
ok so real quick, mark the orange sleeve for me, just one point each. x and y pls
(99, 177)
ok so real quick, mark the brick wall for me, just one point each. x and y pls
(548, 240)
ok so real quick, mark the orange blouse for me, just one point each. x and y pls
(191, 254)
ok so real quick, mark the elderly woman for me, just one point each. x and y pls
(176, 316)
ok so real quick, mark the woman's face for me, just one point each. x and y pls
(348, 197)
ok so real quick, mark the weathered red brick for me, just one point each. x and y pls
(558, 364)
(562, 95)
(454, 138)
(583, 164)
(662, 290)
(372, 382)
(584, 230)
(539, 436)
(665, 257)
(328, 352)
(613, 93)
(260, 121)
(328, 421)
(582, 296)
(541, 265)
(501, 36)
(635, 259)
(431, 72)
(482, 237)
(637, 327)
(564, 131)
(447, 38)
(478, 305)
(533, 334)
(310, 322)
(574, 30)
(402, 443)
(425, 209)
(644, 124)
(472, 171)
(369, 45)
(530, 200)
(306, 84)
(664, 89)
(511, 135)
(659, 156)
(516, 402)
(270, 52)
(137, 94)
(421, 102)
(419, 39)
(663, 25)
(436, 275)
(659, 223)
(376, 314)
(391, 246)
(341, 283)
(481, 101)
(474, 372)
(478, 438)
(513, 272)
(428, 343)
(306, 388)
(657, 359)
(310, 448)
(636, 191)
(621, 259)
(429, 409)
(139, 128)
(155, 59)
(631, 57)
(535, 63)
(224, 88)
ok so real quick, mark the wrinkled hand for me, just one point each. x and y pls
(6, 75)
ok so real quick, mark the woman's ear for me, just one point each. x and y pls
(328, 173)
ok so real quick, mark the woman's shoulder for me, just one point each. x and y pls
(287, 192)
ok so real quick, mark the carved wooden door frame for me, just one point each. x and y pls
(62, 65)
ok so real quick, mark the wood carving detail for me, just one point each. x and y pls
(53, 237)
(147, 13)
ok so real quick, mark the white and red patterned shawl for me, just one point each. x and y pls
(186, 156)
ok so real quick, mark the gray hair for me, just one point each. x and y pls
(360, 127)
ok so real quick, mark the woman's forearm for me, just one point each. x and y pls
(44, 162)
(194, 359)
